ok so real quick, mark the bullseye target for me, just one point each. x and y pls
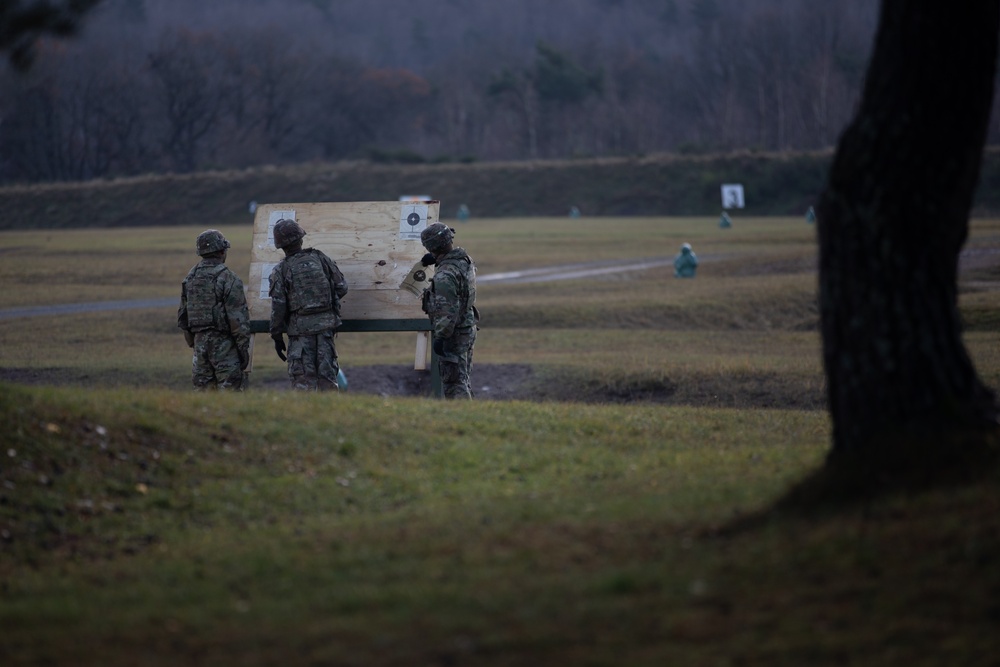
(412, 220)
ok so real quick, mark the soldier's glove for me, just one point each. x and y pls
(244, 353)
(428, 259)
(279, 346)
(438, 346)
(189, 338)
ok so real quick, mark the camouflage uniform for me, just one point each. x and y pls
(216, 322)
(306, 289)
(450, 302)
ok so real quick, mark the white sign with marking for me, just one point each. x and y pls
(412, 220)
(265, 280)
(273, 219)
(732, 195)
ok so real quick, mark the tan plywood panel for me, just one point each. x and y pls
(375, 244)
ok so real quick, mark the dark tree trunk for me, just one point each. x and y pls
(892, 222)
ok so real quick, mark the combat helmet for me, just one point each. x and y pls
(287, 232)
(210, 241)
(437, 236)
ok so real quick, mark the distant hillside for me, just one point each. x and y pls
(775, 184)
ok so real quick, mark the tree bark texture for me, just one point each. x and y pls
(892, 221)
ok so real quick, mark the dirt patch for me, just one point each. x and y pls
(489, 381)
(43, 376)
(521, 382)
(745, 391)
(505, 382)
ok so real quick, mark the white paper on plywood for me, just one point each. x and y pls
(265, 280)
(273, 219)
(412, 220)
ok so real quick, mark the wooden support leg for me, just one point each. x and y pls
(423, 345)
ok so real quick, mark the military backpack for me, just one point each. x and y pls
(307, 283)
(204, 310)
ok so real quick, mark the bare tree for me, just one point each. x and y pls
(267, 88)
(231, 83)
(903, 393)
(191, 93)
(515, 88)
(31, 136)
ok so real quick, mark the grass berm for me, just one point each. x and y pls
(647, 185)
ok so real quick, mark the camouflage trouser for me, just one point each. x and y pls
(456, 365)
(216, 362)
(312, 362)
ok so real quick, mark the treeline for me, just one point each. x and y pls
(179, 86)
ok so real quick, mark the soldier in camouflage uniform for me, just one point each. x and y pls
(450, 302)
(306, 289)
(214, 318)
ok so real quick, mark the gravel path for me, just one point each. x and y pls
(574, 271)
(544, 274)
(92, 307)
(969, 257)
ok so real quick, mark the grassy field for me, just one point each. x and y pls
(745, 328)
(599, 520)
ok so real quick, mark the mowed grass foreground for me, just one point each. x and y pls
(165, 528)
(143, 524)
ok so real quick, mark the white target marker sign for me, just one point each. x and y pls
(732, 195)
(273, 218)
(412, 220)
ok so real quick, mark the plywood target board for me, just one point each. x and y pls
(375, 244)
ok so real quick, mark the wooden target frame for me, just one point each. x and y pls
(377, 247)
